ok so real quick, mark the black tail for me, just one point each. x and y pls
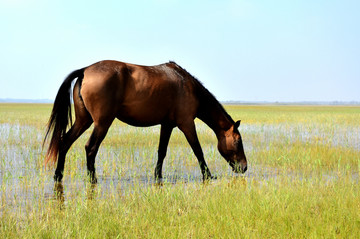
(60, 116)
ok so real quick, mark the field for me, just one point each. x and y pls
(302, 181)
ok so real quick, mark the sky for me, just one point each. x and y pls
(259, 50)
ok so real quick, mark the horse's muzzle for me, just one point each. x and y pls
(239, 167)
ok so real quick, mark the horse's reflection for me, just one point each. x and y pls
(59, 194)
(60, 197)
(91, 191)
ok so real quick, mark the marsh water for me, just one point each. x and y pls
(24, 180)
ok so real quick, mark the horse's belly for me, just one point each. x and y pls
(144, 114)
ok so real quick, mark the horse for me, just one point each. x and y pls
(140, 96)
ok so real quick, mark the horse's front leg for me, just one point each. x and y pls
(191, 136)
(165, 133)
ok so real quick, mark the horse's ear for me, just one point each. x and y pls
(237, 124)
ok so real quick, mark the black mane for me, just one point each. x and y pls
(206, 98)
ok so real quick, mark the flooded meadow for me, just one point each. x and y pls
(291, 150)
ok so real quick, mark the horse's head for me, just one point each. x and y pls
(231, 148)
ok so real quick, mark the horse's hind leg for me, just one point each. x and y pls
(92, 147)
(70, 137)
(82, 122)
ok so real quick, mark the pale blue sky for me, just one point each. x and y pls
(280, 50)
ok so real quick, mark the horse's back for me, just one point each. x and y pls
(137, 95)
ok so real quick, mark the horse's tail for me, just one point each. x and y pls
(60, 116)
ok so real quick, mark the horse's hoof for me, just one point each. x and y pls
(159, 181)
(92, 176)
(208, 178)
(58, 178)
(93, 180)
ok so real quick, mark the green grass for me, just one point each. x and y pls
(231, 208)
(303, 179)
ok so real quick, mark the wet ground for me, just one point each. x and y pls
(24, 179)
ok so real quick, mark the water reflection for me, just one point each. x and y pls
(91, 191)
(59, 194)
(121, 186)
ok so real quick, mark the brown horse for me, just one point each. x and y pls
(140, 96)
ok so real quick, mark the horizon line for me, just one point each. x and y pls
(249, 102)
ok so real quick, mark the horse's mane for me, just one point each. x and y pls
(205, 96)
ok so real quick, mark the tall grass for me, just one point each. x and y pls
(231, 208)
(302, 182)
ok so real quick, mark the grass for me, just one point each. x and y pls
(303, 180)
(226, 208)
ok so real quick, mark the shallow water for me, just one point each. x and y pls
(24, 180)
(344, 136)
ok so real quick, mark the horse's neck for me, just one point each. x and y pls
(212, 114)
